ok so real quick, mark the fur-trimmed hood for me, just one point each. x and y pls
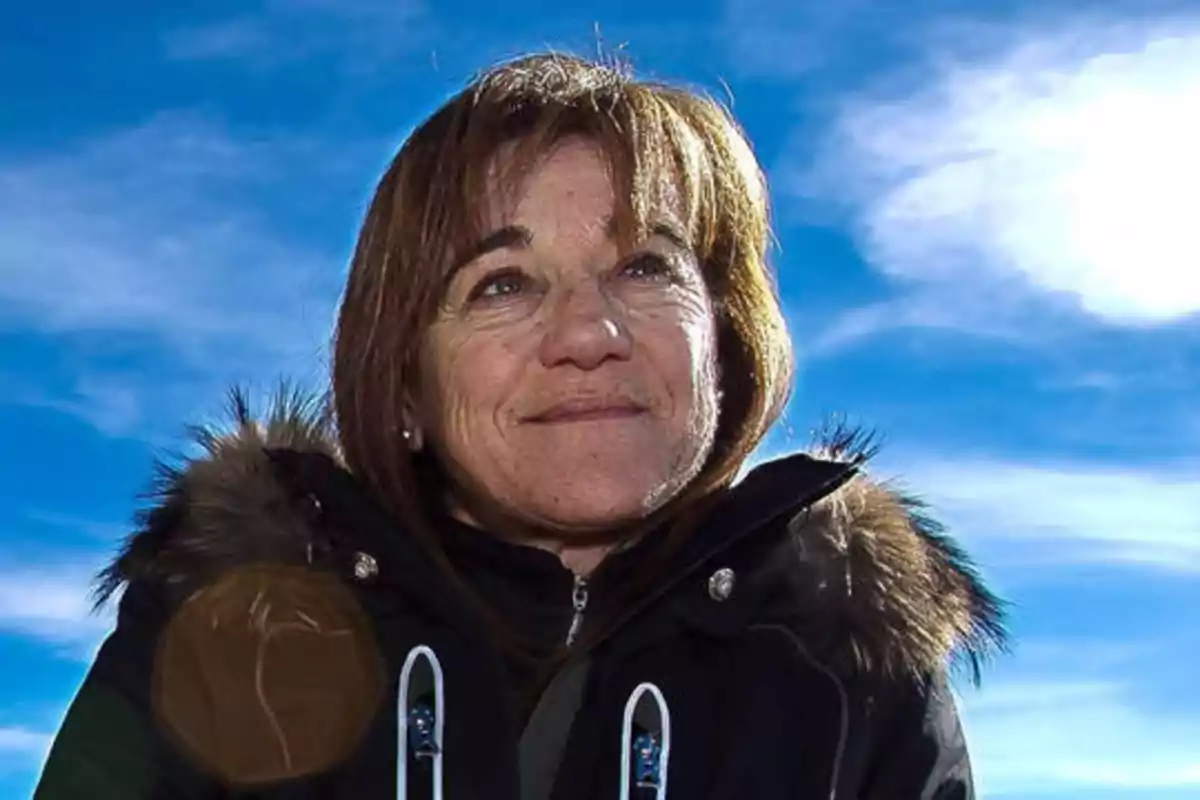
(899, 594)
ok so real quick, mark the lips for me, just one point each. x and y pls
(587, 410)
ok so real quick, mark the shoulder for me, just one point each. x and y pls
(227, 503)
(882, 589)
(233, 620)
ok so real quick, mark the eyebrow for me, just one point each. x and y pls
(514, 236)
(669, 229)
(519, 237)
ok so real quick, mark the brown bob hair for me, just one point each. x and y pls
(426, 211)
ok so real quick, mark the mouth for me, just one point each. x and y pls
(587, 410)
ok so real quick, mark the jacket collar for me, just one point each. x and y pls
(884, 586)
(772, 491)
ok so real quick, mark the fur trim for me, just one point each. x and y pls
(894, 591)
(224, 507)
(897, 593)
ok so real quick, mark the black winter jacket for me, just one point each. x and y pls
(279, 639)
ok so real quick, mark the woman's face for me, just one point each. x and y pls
(574, 385)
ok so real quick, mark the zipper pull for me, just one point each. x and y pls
(421, 721)
(579, 599)
(645, 744)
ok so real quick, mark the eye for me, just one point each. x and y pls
(502, 283)
(649, 267)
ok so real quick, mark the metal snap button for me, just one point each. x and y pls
(720, 585)
(365, 566)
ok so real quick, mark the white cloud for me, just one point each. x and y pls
(1045, 736)
(68, 525)
(110, 403)
(22, 749)
(1064, 168)
(132, 233)
(1045, 514)
(23, 741)
(792, 39)
(145, 236)
(53, 605)
(362, 32)
(945, 308)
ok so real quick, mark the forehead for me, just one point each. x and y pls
(577, 175)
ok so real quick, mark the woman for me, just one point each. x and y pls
(512, 561)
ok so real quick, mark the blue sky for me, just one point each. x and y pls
(988, 252)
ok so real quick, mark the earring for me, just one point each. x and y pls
(406, 434)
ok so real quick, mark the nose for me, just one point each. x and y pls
(585, 329)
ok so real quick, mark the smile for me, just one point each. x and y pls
(587, 411)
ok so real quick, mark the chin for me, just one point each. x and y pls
(597, 505)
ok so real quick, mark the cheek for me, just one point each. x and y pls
(682, 342)
(698, 325)
(701, 336)
(700, 328)
(472, 378)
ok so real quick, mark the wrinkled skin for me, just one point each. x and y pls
(573, 386)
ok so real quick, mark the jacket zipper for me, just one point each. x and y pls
(579, 600)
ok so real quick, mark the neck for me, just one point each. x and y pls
(580, 557)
